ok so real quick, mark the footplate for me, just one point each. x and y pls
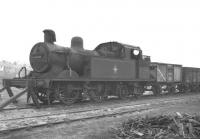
(18, 83)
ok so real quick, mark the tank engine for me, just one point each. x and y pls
(68, 74)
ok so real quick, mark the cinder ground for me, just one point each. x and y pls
(100, 128)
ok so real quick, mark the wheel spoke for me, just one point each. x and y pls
(42, 96)
(96, 96)
(122, 91)
(67, 97)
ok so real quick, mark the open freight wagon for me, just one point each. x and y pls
(163, 72)
(191, 75)
(167, 76)
(191, 79)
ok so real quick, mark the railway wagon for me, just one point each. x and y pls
(191, 78)
(168, 76)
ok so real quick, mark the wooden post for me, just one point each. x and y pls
(31, 92)
(10, 100)
(1, 90)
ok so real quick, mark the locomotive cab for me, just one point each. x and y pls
(118, 61)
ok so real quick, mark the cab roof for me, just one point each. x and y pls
(114, 43)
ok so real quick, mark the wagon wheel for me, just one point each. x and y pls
(95, 95)
(138, 91)
(42, 96)
(67, 96)
(180, 88)
(157, 90)
(122, 92)
(171, 89)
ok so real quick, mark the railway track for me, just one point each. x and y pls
(85, 103)
(67, 116)
(79, 106)
(27, 110)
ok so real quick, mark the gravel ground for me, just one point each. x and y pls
(100, 128)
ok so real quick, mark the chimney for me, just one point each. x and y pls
(77, 43)
(49, 36)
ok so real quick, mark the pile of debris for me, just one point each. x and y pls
(160, 127)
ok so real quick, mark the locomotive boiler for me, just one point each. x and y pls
(49, 60)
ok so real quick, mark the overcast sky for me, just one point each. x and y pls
(168, 31)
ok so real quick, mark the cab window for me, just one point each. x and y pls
(135, 54)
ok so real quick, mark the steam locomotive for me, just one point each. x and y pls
(71, 74)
